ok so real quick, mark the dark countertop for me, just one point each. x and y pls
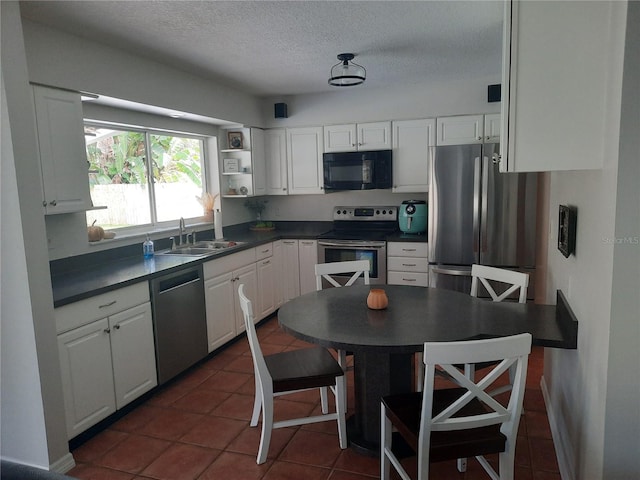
(84, 276)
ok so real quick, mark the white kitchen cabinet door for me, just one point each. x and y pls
(460, 130)
(492, 126)
(275, 145)
(308, 255)
(258, 162)
(374, 136)
(248, 277)
(304, 160)
(278, 274)
(412, 151)
(87, 376)
(562, 67)
(267, 280)
(340, 138)
(63, 157)
(220, 307)
(132, 353)
(290, 270)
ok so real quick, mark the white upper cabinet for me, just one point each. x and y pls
(63, 157)
(412, 149)
(304, 160)
(492, 126)
(353, 137)
(460, 130)
(275, 149)
(561, 78)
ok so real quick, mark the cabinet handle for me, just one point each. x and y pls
(408, 249)
(488, 137)
(44, 203)
(479, 138)
(53, 202)
(496, 158)
(408, 264)
(107, 330)
(409, 279)
(265, 251)
(117, 326)
(266, 262)
(108, 304)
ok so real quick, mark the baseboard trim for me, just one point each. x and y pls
(562, 452)
(64, 464)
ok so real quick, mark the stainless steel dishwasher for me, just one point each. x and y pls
(179, 321)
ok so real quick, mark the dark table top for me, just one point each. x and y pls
(339, 318)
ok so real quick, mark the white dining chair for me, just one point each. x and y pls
(511, 281)
(331, 272)
(448, 423)
(290, 372)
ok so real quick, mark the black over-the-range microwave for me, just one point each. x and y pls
(357, 170)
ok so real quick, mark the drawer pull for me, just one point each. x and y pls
(409, 279)
(108, 304)
(116, 326)
(409, 265)
(265, 251)
(107, 330)
(408, 249)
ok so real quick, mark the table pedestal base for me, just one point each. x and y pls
(375, 375)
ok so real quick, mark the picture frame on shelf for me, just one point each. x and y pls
(230, 165)
(235, 140)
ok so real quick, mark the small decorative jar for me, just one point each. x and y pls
(377, 299)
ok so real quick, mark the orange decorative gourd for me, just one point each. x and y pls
(377, 299)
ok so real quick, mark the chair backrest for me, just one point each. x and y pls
(516, 280)
(260, 366)
(357, 267)
(508, 351)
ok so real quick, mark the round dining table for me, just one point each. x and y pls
(384, 342)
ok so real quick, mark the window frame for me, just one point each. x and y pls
(155, 225)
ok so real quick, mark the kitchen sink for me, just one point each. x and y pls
(203, 248)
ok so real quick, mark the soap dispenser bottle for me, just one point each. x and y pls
(147, 248)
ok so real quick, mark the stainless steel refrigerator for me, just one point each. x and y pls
(478, 215)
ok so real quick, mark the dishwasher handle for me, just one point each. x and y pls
(181, 279)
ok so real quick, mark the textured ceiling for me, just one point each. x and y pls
(276, 48)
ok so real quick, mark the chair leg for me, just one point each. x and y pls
(469, 372)
(267, 427)
(385, 441)
(341, 410)
(419, 372)
(324, 400)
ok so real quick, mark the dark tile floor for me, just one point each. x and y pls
(197, 427)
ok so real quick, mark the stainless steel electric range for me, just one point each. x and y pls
(360, 233)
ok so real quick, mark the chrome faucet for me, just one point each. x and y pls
(182, 229)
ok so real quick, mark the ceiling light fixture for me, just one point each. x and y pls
(345, 74)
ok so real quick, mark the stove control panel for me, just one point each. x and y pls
(365, 213)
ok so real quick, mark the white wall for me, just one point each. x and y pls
(36, 324)
(457, 96)
(23, 430)
(58, 59)
(594, 392)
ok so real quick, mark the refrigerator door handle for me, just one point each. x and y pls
(486, 165)
(477, 191)
(460, 271)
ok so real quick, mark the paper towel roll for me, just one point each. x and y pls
(217, 224)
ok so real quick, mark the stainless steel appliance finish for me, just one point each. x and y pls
(360, 233)
(478, 215)
(179, 321)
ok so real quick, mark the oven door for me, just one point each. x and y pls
(347, 250)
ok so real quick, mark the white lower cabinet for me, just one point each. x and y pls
(407, 264)
(290, 270)
(266, 281)
(221, 280)
(107, 354)
(278, 274)
(308, 257)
